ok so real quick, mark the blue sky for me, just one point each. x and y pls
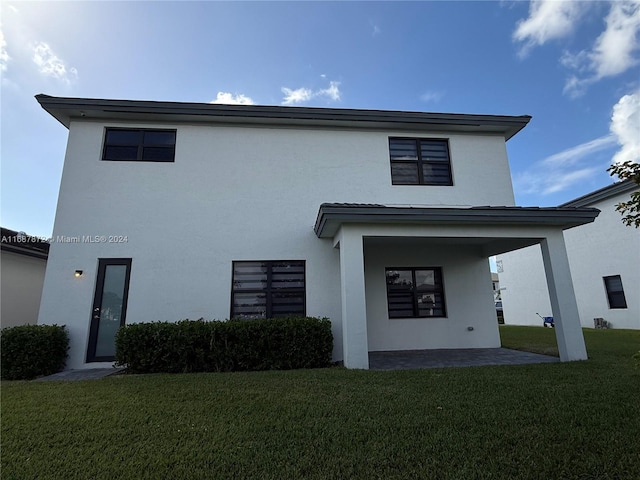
(573, 66)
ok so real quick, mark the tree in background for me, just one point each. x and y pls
(630, 210)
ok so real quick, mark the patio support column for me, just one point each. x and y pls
(563, 299)
(354, 310)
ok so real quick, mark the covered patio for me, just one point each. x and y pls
(373, 238)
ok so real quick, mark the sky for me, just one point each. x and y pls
(572, 65)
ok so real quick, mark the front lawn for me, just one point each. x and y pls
(573, 420)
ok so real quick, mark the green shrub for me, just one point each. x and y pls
(28, 351)
(234, 345)
(637, 358)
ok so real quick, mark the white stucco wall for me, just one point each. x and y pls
(602, 248)
(22, 278)
(467, 289)
(233, 193)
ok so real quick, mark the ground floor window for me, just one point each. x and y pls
(267, 289)
(615, 292)
(415, 292)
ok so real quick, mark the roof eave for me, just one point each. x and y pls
(603, 194)
(66, 109)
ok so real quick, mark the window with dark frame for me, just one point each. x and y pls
(420, 161)
(139, 145)
(615, 291)
(415, 292)
(267, 289)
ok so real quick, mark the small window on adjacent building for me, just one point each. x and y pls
(415, 292)
(139, 145)
(420, 161)
(615, 292)
(268, 289)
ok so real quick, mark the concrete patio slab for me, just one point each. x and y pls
(81, 374)
(465, 357)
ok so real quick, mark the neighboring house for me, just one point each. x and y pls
(605, 266)
(23, 263)
(382, 221)
(495, 284)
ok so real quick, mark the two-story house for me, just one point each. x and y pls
(381, 221)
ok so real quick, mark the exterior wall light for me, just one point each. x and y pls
(78, 273)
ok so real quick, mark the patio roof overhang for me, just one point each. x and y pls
(495, 230)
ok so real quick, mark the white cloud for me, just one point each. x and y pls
(431, 97)
(298, 95)
(4, 56)
(575, 86)
(570, 156)
(563, 169)
(50, 65)
(613, 50)
(375, 29)
(612, 53)
(301, 95)
(575, 61)
(625, 125)
(548, 20)
(333, 92)
(230, 99)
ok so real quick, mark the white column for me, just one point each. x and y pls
(563, 299)
(354, 310)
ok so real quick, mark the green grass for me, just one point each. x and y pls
(574, 420)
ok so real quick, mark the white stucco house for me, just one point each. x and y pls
(604, 257)
(23, 260)
(382, 221)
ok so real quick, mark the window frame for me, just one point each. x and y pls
(140, 144)
(438, 275)
(615, 298)
(420, 162)
(269, 290)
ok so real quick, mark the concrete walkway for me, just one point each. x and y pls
(81, 374)
(466, 357)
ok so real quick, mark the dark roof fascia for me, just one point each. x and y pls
(331, 216)
(64, 109)
(29, 245)
(24, 251)
(603, 194)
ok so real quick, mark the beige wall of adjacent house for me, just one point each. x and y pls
(22, 278)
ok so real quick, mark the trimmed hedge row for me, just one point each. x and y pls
(217, 346)
(28, 351)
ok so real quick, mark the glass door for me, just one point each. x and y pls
(109, 308)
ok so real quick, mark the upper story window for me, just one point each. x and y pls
(420, 161)
(139, 145)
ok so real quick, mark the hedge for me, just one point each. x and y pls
(224, 346)
(29, 351)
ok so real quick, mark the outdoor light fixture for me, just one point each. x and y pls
(78, 273)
